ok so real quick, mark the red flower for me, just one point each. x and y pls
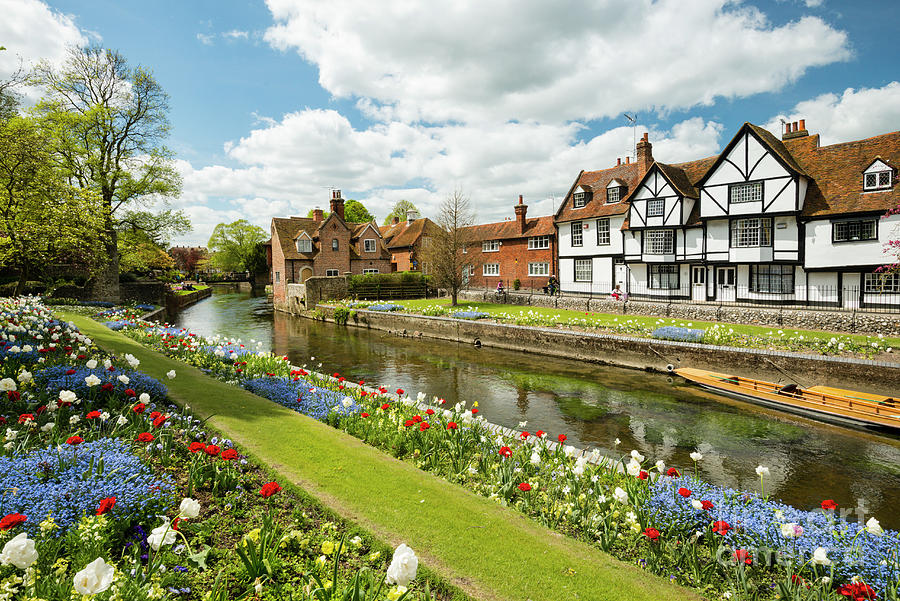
(129, 392)
(211, 450)
(12, 520)
(721, 527)
(92, 415)
(196, 447)
(652, 534)
(139, 408)
(452, 426)
(684, 492)
(13, 395)
(364, 414)
(337, 375)
(561, 438)
(742, 555)
(524, 487)
(362, 382)
(409, 423)
(672, 472)
(829, 505)
(505, 452)
(429, 411)
(159, 421)
(229, 454)
(382, 389)
(74, 440)
(145, 437)
(26, 417)
(175, 523)
(474, 410)
(540, 433)
(858, 591)
(524, 435)
(155, 414)
(106, 505)
(417, 418)
(107, 387)
(70, 372)
(707, 505)
(643, 475)
(424, 426)
(269, 489)
(400, 391)
(386, 406)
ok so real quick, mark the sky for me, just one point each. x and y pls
(275, 102)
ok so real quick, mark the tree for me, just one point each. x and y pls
(445, 255)
(355, 212)
(139, 254)
(399, 211)
(187, 259)
(111, 121)
(232, 244)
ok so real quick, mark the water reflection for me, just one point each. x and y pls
(593, 405)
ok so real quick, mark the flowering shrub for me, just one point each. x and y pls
(677, 333)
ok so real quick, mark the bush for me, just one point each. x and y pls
(679, 334)
(517, 284)
(341, 315)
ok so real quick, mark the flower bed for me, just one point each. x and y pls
(679, 334)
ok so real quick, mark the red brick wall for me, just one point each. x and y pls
(513, 258)
(382, 265)
(329, 259)
(278, 267)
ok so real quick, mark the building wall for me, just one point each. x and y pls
(513, 257)
(820, 251)
(279, 291)
(328, 258)
(358, 265)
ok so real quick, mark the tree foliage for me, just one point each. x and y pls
(356, 212)
(138, 253)
(187, 259)
(399, 210)
(232, 244)
(445, 255)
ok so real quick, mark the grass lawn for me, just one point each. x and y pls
(601, 320)
(488, 551)
(196, 288)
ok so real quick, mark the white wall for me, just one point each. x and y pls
(589, 238)
(717, 242)
(821, 252)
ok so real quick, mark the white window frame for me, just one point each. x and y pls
(306, 242)
(603, 234)
(277, 276)
(332, 273)
(882, 179)
(745, 192)
(882, 283)
(613, 195)
(583, 270)
(538, 242)
(370, 270)
(374, 245)
(659, 242)
(539, 269)
(579, 199)
(490, 269)
(577, 234)
(490, 246)
(656, 207)
(666, 276)
(753, 232)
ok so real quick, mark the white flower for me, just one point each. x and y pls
(91, 364)
(620, 495)
(791, 530)
(144, 398)
(122, 420)
(7, 384)
(19, 551)
(132, 360)
(578, 470)
(695, 456)
(873, 526)
(535, 458)
(633, 468)
(637, 456)
(189, 508)
(95, 578)
(124, 379)
(170, 374)
(617, 441)
(762, 471)
(107, 363)
(104, 416)
(67, 396)
(661, 466)
(403, 566)
(347, 402)
(74, 419)
(820, 557)
(696, 504)
(25, 376)
(92, 380)
(11, 434)
(47, 427)
(569, 450)
(162, 535)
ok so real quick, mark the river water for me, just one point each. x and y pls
(593, 405)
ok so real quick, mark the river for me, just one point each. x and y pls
(593, 405)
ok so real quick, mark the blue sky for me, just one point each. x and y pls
(274, 102)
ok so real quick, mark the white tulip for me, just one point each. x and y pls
(820, 557)
(535, 458)
(633, 468)
(162, 535)
(170, 374)
(24, 377)
(19, 551)
(91, 364)
(67, 396)
(144, 398)
(637, 456)
(661, 466)
(7, 385)
(403, 566)
(873, 526)
(190, 508)
(696, 504)
(695, 456)
(95, 578)
(762, 471)
(620, 495)
(92, 380)
(124, 379)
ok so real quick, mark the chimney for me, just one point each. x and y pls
(618, 161)
(520, 214)
(795, 130)
(627, 160)
(337, 203)
(395, 220)
(317, 214)
(412, 215)
(644, 153)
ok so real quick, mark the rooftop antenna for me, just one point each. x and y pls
(633, 120)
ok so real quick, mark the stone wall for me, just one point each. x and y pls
(150, 293)
(853, 322)
(642, 353)
(177, 302)
(313, 291)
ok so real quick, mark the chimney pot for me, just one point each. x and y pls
(317, 214)
(395, 220)
(618, 161)
(645, 136)
(520, 199)
(627, 160)
(802, 124)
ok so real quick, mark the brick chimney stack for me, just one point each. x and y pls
(395, 220)
(795, 130)
(318, 215)
(521, 209)
(337, 203)
(644, 153)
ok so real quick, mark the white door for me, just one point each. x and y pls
(725, 284)
(698, 283)
(850, 290)
(621, 277)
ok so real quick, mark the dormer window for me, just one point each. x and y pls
(579, 199)
(369, 245)
(877, 180)
(304, 245)
(613, 195)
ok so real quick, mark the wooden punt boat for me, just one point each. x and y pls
(834, 405)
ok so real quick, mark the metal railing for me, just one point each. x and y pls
(390, 290)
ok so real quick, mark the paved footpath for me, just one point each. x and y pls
(489, 551)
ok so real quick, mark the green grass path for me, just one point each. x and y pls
(487, 550)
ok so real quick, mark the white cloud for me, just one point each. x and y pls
(206, 39)
(31, 31)
(236, 34)
(550, 61)
(851, 115)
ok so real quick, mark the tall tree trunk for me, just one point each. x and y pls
(104, 285)
(453, 296)
(23, 279)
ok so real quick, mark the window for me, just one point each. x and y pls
(579, 199)
(277, 276)
(851, 231)
(304, 245)
(749, 192)
(365, 271)
(582, 270)
(614, 194)
(577, 233)
(490, 246)
(538, 242)
(746, 233)
(471, 270)
(882, 283)
(664, 277)
(877, 180)
(490, 269)
(659, 242)
(656, 207)
(772, 278)
(538, 269)
(335, 245)
(369, 245)
(602, 232)
(331, 273)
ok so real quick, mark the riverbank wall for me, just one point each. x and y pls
(177, 302)
(638, 353)
(852, 322)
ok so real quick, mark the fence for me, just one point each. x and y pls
(833, 298)
(390, 290)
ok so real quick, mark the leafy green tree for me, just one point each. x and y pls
(139, 254)
(355, 212)
(399, 211)
(111, 121)
(257, 261)
(232, 244)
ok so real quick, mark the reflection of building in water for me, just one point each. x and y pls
(522, 400)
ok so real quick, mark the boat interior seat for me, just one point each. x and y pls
(789, 390)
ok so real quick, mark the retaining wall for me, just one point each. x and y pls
(177, 302)
(642, 353)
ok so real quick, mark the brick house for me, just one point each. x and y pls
(303, 247)
(523, 249)
(406, 241)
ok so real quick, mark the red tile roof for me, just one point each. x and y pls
(506, 230)
(406, 234)
(596, 181)
(289, 228)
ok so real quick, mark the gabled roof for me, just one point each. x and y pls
(836, 185)
(507, 230)
(629, 174)
(767, 139)
(678, 179)
(286, 229)
(406, 233)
